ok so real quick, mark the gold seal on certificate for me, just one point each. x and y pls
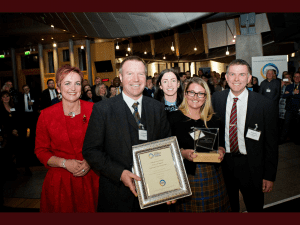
(163, 176)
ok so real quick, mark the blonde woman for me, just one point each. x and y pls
(206, 180)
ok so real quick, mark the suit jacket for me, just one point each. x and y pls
(262, 154)
(275, 87)
(35, 103)
(292, 101)
(107, 146)
(46, 98)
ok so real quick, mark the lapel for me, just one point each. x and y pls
(148, 110)
(119, 110)
(251, 105)
(223, 102)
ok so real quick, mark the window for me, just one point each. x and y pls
(50, 61)
(66, 55)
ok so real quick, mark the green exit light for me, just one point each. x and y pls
(27, 53)
(2, 56)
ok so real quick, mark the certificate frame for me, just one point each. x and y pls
(184, 190)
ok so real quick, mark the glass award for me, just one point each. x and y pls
(206, 139)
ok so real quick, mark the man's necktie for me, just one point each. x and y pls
(28, 100)
(136, 113)
(233, 140)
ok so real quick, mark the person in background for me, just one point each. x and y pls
(292, 113)
(224, 84)
(182, 76)
(70, 185)
(270, 87)
(87, 96)
(216, 84)
(112, 91)
(188, 74)
(85, 82)
(149, 89)
(211, 87)
(169, 89)
(96, 97)
(48, 94)
(206, 179)
(255, 84)
(96, 82)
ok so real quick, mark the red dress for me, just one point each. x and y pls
(63, 136)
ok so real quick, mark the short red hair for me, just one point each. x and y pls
(63, 71)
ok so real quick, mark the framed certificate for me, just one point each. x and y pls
(160, 166)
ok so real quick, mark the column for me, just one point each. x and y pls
(55, 57)
(14, 68)
(41, 62)
(71, 52)
(89, 61)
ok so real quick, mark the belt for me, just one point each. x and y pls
(236, 154)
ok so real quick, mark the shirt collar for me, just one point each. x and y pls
(242, 96)
(129, 101)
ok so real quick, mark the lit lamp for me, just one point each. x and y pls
(145, 52)
(227, 52)
(54, 45)
(126, 54)
(164, 57)
(233, 40)
(195, 49)
(172, 47)
(82, 47)
(128, 49)
(117, 47)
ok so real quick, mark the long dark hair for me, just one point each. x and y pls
(159, 94)
(11, 102)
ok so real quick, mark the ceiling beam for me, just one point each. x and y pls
(205, 38)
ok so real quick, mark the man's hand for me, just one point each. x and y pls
(296, 92)
(127, 179)
(267, 186)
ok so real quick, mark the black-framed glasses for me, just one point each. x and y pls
(199, 94)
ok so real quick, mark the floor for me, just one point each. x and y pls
(25, 191)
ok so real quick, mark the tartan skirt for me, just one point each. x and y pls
(208, 191)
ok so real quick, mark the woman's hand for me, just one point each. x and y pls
(15, 133)
(73, 165)
(83, 169)
(221, 151)
(188, 154)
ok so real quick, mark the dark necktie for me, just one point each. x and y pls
(233, 140)
(136, 113)
(28, 100)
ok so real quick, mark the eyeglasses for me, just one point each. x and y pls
(199, 95)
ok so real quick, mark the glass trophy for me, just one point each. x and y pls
(205, 139)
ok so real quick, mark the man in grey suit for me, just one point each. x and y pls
(113, 130)
(250, 123)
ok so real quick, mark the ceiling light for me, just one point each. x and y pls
(164, 57)
(233, 40)
(117, 47)
(128, 49)
(42, 39)
(195, 49)
(227, 52)
(293, 54)
(73, 36)
(234, 36)
(172, 47)
(145, 52)
(51, 37)
(126, 54)
(82, 47)
(54, 45)
(52, 25)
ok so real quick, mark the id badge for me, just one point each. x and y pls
(142, 135)
(12, 109)
(253, 133)
(32, 100)
(268, 90)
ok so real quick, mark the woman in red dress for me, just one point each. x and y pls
(70, 185)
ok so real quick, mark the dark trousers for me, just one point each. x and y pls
(237, 177)
(289, 125)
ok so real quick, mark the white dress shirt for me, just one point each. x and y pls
(129, 101)
(26, 103)
(52, 93)
(241, 107)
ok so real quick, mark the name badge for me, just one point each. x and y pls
(253, 134)
(32, 100)
(142, 135)
(268, 90)
(12, 109)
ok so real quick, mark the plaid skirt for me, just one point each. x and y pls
(208, 191)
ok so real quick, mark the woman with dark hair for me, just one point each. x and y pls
(87, 96)
(206, 179)
(255, 84)
(169, 90)
(70, 185)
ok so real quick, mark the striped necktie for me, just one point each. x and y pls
(233, 140)
(136, 114)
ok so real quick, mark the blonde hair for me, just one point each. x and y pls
(206, 110)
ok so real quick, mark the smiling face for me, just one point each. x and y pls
(51, 84)
(270, 74)
(26, 89)
(133, 78)
(169, 84)
(102, 90)
(70, 87)
(195, 102)
(89, 94)
(237, 78)
(5, 98)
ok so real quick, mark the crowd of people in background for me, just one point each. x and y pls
(175, 90)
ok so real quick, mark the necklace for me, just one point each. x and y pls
(72, 114)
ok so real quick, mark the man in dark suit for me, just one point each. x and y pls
(250, 123)
(48, 94)
(113, 130)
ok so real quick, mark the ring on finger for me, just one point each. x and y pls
(83, 170)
